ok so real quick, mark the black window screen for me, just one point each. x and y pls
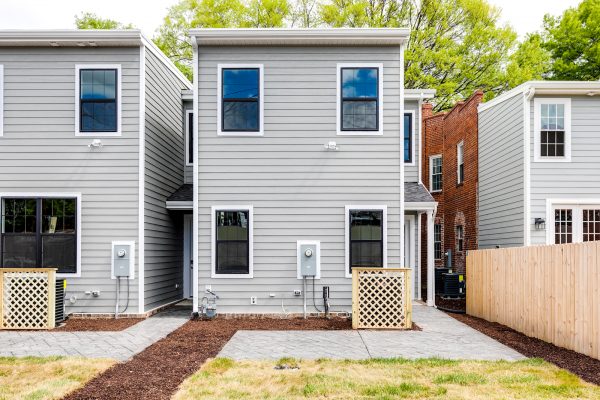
(232, 242)
(366, 238)
(360, 99)
(98, 100)
(240, 100)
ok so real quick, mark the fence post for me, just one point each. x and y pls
(1, 299)
(354, 299)
(408, 294)
(51, 299)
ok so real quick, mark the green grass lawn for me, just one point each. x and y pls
(37, 378)
(384, 379)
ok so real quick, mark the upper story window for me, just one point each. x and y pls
(460, 163)
(241, 100)
(98, 99)
(189, 137)
(232, 247)
(408, 138)
(359, 99)
(552, 129)
(435, 173)
(1, 100)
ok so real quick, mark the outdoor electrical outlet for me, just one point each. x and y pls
(297, 292)
(253, 300)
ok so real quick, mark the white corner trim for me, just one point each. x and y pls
(421, 140)
(195, 197)
(261, 99)
(148, 44)
(348, 208)
(413, 139)
(537, 115)
(316, 243)
(141, 174)
(401, 159)
(431, 158)
(338, 115)
(188, 162)
(130, 243)
(527, 167)
(213, 237)
(1, 100)
(65, 195)
(79, 67)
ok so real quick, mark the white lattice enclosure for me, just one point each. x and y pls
(381, 298)
(27, 298)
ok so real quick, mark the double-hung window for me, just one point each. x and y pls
(460, 163)
(437, 241)
(39, 232)
(366, 237)
(460, 238)
(359, 99)
(240, 100)
(232, 237)
(435, 173)
(98, 100)
(552, 129)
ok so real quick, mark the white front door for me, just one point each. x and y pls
(410, 251)
(188, 261)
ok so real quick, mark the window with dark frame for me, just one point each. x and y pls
(552, 130)
(98, 100)
(460, 238)
(360, 99)
(591, 225)
(39, 232)
(408, 143)
(366, 238)
(436, 174)
(190, 138)
(232, 242)
(437, 241)
(240, 94)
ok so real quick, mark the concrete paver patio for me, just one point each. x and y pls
(441, 336)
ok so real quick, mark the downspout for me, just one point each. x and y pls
(527, 96)
(401, 137)
(195, 169)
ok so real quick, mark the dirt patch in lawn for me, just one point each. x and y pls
(157, 372)
(97, 324)
(585, 367)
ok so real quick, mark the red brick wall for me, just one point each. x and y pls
(457, 203)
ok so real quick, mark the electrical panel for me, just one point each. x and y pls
(308, 259)
(122, 259)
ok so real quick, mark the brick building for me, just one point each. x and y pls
(450, 173)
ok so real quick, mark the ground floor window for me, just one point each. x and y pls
(460, 238)
(576, 223)
(39, 232)
(232, 242)
(437, 241)
(366, 237)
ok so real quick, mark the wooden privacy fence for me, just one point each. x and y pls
(381, 298)
(548, 292)
(27, 298)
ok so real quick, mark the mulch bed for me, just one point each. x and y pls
(458, 305)
(585, 367)
(97, 324)
(157, 372)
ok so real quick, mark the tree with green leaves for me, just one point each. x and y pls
(573, 40)
(530, 61)
(89, 20)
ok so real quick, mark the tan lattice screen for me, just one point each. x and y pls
(381, 298)
(27, 298)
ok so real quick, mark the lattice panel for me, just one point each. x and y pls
(26, 300)
(381, 299)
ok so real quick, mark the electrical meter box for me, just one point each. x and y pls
(122, 259)
(309, 263)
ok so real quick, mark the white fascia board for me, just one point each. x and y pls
(70, 37)
(419, 94)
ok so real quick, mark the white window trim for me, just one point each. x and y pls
(349, 208)
(131, 244)
(261, 100)
(188, 162)
(213, 237)
(431, 158)
(413, 139)
(1, 100)
(50, 195)
(574, 204)
(338, 89)
(537, 126)
(460, 145)
(119, 99)
(317, 244)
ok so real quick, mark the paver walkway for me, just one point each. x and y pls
(442, 336)
(116, 345)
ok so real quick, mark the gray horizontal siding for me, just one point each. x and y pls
(298, 190)
(40, 153)
(501, 175)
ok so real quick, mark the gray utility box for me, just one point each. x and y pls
(308, 260)
(121, 260)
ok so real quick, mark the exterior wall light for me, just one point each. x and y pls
(540, 224)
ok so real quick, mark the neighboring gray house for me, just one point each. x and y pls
(539, 164)
(91, 146)
(298, 141)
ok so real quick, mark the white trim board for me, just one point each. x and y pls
(213, 237)
(338, 112)
(65, 195)
(347, 210)
(195, 198)
(317, 244)
(79, 67)
(261, 100)
(537, 115)
(141, 176)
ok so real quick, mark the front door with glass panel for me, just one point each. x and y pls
(410, 250)
(574, 223)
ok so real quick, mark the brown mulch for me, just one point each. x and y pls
(585, 367)
(97, 324)
(156, 372)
